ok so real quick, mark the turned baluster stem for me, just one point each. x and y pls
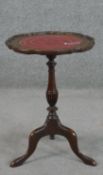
(52, 92)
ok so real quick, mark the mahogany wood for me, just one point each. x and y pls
(52, 125)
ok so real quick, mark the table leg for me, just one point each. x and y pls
(73, 141)
(52, 136)
(33, 141)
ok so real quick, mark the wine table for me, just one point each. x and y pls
(51, 44)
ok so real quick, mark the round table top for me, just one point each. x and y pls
(50, 43)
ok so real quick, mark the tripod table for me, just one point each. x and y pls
(51, 44)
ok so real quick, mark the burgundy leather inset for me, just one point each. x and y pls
(49, 42)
